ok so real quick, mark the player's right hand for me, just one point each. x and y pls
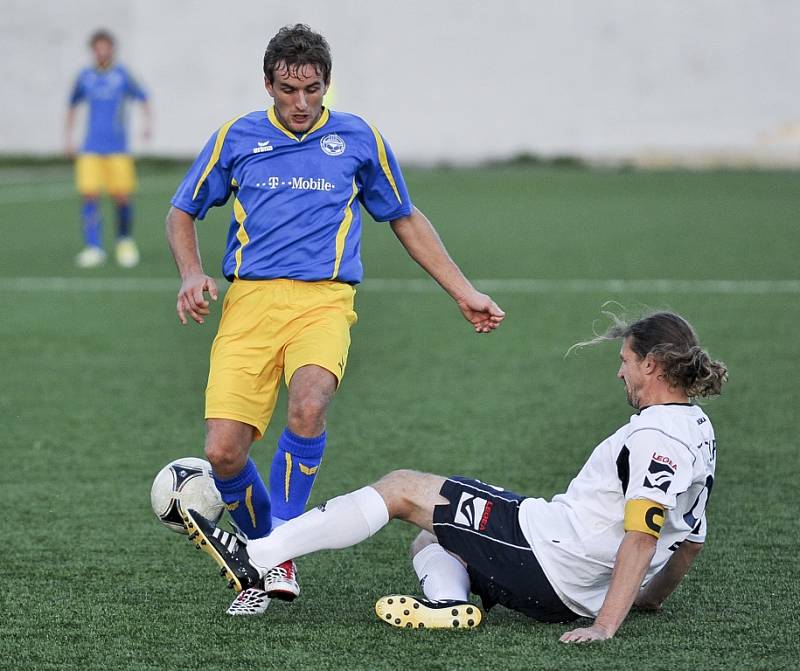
(191, 297)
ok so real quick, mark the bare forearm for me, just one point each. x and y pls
(69, 125)
(182, 239)
(69, 122)
(424, 245)
(633, 558)
(147, 113)
(668, 578)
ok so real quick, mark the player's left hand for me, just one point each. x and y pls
(481, 311)
(586, 635)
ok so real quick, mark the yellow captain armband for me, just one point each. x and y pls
(645, 516)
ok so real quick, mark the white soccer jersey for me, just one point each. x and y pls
(666, 454)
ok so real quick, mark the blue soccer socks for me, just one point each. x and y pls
(124, 218)
(294, 469)
(92, 223)
(247, 501)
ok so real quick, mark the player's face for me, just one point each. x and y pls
(103, 51)
(298, 94)
(632, 373)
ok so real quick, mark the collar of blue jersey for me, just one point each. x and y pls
(273, 119)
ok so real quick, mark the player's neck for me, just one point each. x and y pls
(662, 395)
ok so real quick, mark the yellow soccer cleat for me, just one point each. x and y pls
(411, 612)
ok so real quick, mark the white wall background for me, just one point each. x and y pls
(445, 80)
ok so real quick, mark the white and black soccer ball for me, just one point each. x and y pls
(185, 483)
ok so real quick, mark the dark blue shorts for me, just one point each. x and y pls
(480, 524)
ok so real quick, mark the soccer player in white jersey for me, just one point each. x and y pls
(624, 533)
(298, 174)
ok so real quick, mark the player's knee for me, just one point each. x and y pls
(307, 414)
(397, 489)
(227, 459)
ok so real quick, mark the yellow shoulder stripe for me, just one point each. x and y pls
(212, 161)
(645, 516)
(384, 161)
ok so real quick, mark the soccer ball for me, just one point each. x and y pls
(185, 483)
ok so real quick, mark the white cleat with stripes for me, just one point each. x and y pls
(249, 602)
(225, 549)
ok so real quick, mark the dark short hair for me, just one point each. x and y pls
(297, 45)
(101, 34)
(673, 343)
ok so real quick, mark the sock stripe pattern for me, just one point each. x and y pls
(247, 501)
(294, 469)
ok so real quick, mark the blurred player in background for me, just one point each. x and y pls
(624, 533)
(104, 163)
(298, 173)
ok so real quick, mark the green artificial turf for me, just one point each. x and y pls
(102, 387)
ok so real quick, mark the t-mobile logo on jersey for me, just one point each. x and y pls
(298, 183)
(473, 512)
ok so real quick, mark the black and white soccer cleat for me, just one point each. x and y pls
(249, 602)
(412, 612)
(225, 549)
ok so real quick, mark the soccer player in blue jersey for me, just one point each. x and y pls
(104, 162)
(298, 173)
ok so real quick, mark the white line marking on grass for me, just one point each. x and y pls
(519, 286)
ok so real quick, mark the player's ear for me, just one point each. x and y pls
(650, 364)
(268, 86)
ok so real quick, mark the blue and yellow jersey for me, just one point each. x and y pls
(296, 200)
(106, 91)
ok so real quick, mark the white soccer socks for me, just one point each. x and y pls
(441, 575)
(339, 523)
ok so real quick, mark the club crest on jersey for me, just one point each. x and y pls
(332, 145)
(659, 475)
(473, 512)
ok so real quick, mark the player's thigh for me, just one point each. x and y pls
(319, 335)
(120, 175)
(89, 175)
(246, 360)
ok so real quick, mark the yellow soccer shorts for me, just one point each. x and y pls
(114, 174)
(271, 328)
